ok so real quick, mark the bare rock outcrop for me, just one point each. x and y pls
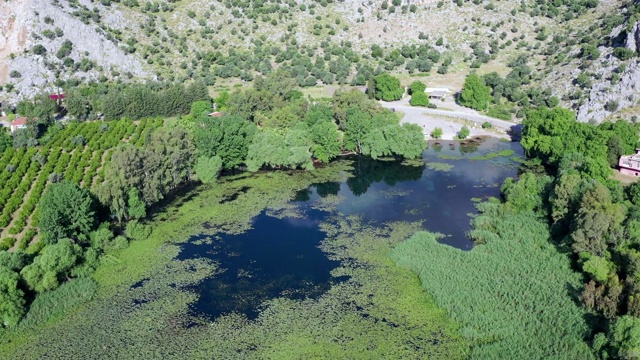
(633, 38)
(606, 99)
(22, 24)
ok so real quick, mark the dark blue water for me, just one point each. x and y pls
(280, 257)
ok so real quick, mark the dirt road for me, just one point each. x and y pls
(451, 121)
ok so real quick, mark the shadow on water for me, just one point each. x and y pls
(281, 258)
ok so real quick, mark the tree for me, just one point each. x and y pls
(66, 211)
(207, 169)
(436, 133)
(358, 124)
(76, 104)
(55, 262)
(327, 141)
(419, 99)
(163, 164)
(597, 221)
(227, 137)
(5, 140)
(624, 337)
(388, 88)
(11, 297)
(475, 94)
(417, 87)
(464, 132)
(201, 107)
(137, 209)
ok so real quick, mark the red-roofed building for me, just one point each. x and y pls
(216, 114)
(19, 123)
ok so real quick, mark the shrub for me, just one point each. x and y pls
(486, 125)
(623, 53)
(464, 132)
(436, 133)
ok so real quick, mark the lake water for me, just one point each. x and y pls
(280, 256)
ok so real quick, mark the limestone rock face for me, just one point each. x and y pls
(22, 26)
(633, 38)
(605, 99)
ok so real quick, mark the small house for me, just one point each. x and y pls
(215, 114)
(437, 95)
(19, 123)
(630, 164)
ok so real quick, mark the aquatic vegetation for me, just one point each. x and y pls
(439, 166)
(514, 295)
(493, 155)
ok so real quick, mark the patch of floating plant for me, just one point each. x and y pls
(439, 166)
(448, 157)
(328, 203)
(395, 193)
(286, 211)
(413, 162)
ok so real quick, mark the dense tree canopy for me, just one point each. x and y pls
(66, 211)
(388, 88)
(227, 137)
(475, 94)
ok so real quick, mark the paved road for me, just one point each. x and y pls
(432, 118)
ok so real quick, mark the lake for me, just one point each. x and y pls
(280, 256)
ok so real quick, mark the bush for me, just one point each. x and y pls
(623, 53)
(486, 125)
(419, 99)
(436, 133)
(464, 132)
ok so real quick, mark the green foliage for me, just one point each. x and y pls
(475, 94)
(419, 99)
(66, 211)
(598, 267)
(136, 230)
(406, 141)
(489, 289)
(207, 169)
(436, 133)
(227, 137)
(164, 163)
(11, 297)
(486, 125)
(52, 265)
(417, 87)
(327, 140)
(623, 53)
(388, 88)
(136, 208)
(464, 132)
(202, 107)
(624, 336)
(5, 140)
(290, 148)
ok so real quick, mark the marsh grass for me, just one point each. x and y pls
(514, 295)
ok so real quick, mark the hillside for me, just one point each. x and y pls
(45, 44)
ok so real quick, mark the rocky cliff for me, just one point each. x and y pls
(25, 24)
